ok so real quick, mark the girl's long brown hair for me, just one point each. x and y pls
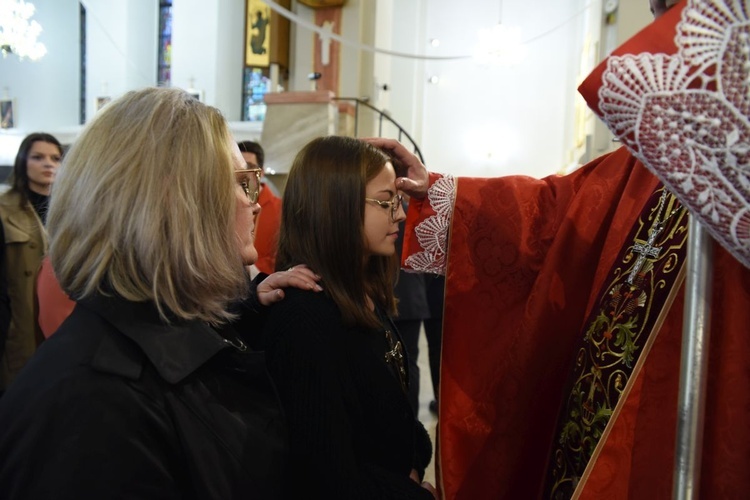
(322, 225)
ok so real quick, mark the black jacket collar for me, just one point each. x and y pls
(175, 350)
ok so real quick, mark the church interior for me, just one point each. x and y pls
(478, 88)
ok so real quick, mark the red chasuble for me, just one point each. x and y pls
(529, 265)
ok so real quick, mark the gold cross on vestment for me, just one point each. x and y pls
(645, 251)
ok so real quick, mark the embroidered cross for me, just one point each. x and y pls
(645, 251)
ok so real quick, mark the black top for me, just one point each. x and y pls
(40, 202)
(352, 433)
(118, 404)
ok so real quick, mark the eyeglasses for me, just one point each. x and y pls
(249, 181)
(394, 204)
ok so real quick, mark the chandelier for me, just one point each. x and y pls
(500, 45)
(17, 33)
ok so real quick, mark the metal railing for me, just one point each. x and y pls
(382, 117)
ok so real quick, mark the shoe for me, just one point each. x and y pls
(434, 407)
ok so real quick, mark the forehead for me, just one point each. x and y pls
(386, 179)
(250, 158)
(44, 147)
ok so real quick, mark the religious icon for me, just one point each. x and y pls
(196, 94)
(7, 114)
(257, 34)
(102, 101)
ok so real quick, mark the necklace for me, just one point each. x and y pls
(648, 250)
(394, 353)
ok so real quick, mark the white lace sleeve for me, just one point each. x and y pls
(687, 116)
(432, 233)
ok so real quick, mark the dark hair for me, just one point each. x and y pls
(322, 225)
(663, 5)
(19, 178)
(255, 148)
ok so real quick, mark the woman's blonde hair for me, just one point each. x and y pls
(144, 207)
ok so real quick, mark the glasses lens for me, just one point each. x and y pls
(250, 183)
(395, 205)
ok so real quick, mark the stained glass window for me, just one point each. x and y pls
(254, 88)
(164, 72)
(82, 27)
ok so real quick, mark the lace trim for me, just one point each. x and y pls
(687, 116)
(432, 233)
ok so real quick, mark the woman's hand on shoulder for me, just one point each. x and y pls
(429, 487)
(270, 289)
(414, 476)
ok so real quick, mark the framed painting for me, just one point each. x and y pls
(257, 34)
(7, 113)
(101, 101)
(196, 94)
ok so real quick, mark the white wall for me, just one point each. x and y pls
(121, 47)
(475, 121)
(485, 120)
(207, 51)
(405, 32)
(46, 91)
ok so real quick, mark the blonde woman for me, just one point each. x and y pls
(146, 391)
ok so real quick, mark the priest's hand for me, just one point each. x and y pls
(270, 289)
(413, 178)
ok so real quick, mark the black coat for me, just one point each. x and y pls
(352, 433)
(117, 404)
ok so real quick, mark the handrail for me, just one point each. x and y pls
(381, 115)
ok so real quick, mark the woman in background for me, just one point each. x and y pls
(23, 213)
(146, 391)
(336, 357)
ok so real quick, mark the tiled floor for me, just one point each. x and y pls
(425, 396)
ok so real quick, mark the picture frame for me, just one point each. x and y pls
(196, 94)
(101, 101)
(8, 116)
(257, 34)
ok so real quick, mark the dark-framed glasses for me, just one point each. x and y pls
(393, 205)
(249, 181)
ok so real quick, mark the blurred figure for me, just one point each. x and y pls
(412, 307)
(433, 329)
(336, 357)
(53, 304)
(23, 213)
(267, 222)
(146, 391)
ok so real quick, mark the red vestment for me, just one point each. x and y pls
(526, 261)
(267, 230)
